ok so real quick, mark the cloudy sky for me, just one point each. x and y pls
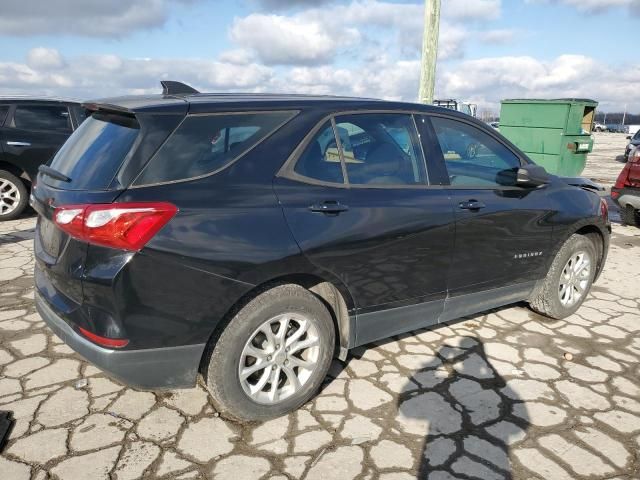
(489, 49)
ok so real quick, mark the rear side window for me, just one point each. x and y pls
(321, 159)
(381, 149)
(93, 154)
(42, 117)
(204, 144)
(4, 109)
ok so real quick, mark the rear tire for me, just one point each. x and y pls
(566, 286)
(14, 196)
(245, 345)
(630, 216)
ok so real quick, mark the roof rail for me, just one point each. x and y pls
(170, 87)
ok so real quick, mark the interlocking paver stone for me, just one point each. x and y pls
(489, 396)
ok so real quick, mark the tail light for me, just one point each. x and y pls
(126, 226)
(604, 209)
(634, 156)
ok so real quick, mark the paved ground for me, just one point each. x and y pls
(506, 394)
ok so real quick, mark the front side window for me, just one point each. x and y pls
(381, 149)
(204, 144)
(321, 160)
(473, 157)
(42, 117)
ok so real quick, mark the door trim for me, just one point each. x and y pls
(388, 322)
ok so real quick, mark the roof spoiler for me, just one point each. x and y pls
(171, 87)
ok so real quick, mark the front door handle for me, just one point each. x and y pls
(330, 207)
(18, 144)
(473, 205)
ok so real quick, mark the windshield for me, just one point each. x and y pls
(93, 154)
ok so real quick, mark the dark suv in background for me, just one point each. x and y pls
(252, 237)
(31, 132)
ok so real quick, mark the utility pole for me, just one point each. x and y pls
(624, 115)
(429, 50)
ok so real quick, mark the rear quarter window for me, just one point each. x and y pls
(204, 144)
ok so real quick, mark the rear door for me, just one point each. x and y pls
(33, 133)
(502, 233)
(360, 206)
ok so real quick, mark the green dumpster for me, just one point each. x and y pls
(553, 133)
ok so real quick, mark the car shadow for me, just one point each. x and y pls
(17, 236)
(464, 411)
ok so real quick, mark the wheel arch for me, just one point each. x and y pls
(597, 236)
(334, 295)
(598, 239)
(17, 171)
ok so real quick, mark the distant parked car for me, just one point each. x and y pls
(495, 125)
(31, 132)
(634, 141)
(599, 127)
(617, 128)
(626, 191)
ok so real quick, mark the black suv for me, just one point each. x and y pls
(253, 237)
(31, 131)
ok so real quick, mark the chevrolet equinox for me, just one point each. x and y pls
(250, 238)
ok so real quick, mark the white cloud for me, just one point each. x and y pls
(485, 80)
(42, 57)
(278, 39)
(315, 36)
(91, 76)
(595, 6)
(488, 80)
(471, 9)
(92, 18)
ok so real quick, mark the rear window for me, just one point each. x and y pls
(204, 144)
(42, 117)
(93, 154)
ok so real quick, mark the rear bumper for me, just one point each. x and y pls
(147, 369)
(627, 196)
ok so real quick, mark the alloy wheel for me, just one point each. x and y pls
(574, 279)
(279, 358)
(9, 196)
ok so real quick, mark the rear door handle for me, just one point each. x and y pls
(329, 207)
(471, 205)
(19, 144)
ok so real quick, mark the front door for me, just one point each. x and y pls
(360, 207)
(502, 231)
(32, 134)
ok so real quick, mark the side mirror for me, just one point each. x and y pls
(531, 176)
(628, 137)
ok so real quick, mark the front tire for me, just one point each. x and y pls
(630, 216)
(272, 356)
(569, 279)
(13, 196)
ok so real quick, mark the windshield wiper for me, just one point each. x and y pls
(53, 173)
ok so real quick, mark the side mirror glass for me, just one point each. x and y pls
(531, 176)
